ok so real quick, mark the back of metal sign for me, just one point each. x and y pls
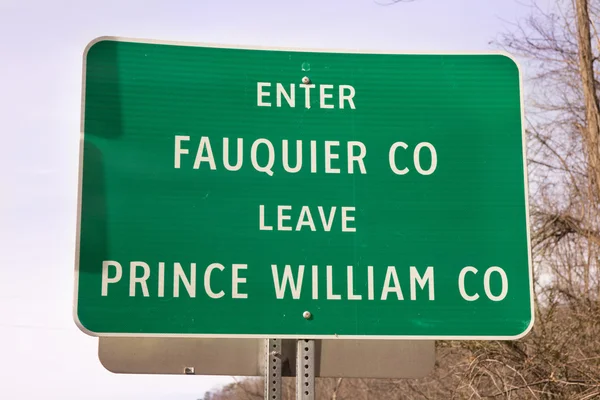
(374, 359)
(244, 357)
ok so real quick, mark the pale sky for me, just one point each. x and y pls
(42, 352)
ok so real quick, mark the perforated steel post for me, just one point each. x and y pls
(305, 370)
(273, 351)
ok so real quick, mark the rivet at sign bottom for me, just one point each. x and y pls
(306, 314)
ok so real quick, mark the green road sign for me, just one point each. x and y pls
(229, 192)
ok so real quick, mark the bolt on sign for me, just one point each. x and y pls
(238, 192)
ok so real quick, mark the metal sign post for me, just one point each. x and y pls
(273, 361)
(305, 370)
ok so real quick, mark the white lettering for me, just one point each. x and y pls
(331, 156)
(240, 155)
(393, 158)
(261, 218)
(416, 158)
(236, 280)
(313, 156)
(253, 156)
(461, 284)
(288, 278)
(370, 286)
(347, 97)
(133, 278)
(207, 285)
(261, 94)
(324, 95)
(291, 98)
(315, 282)
(161, 279)
(391, 275)
(178, 150)
(281, 218)
(330, 294)
(486, 284)
(204, 144)
(305, 219)
(359, 158)
(327, 223)
(179, 276)
(347, 218)
(351, 295)
(285, 156)
(307, 93)
(422, 281)
(105, 279)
